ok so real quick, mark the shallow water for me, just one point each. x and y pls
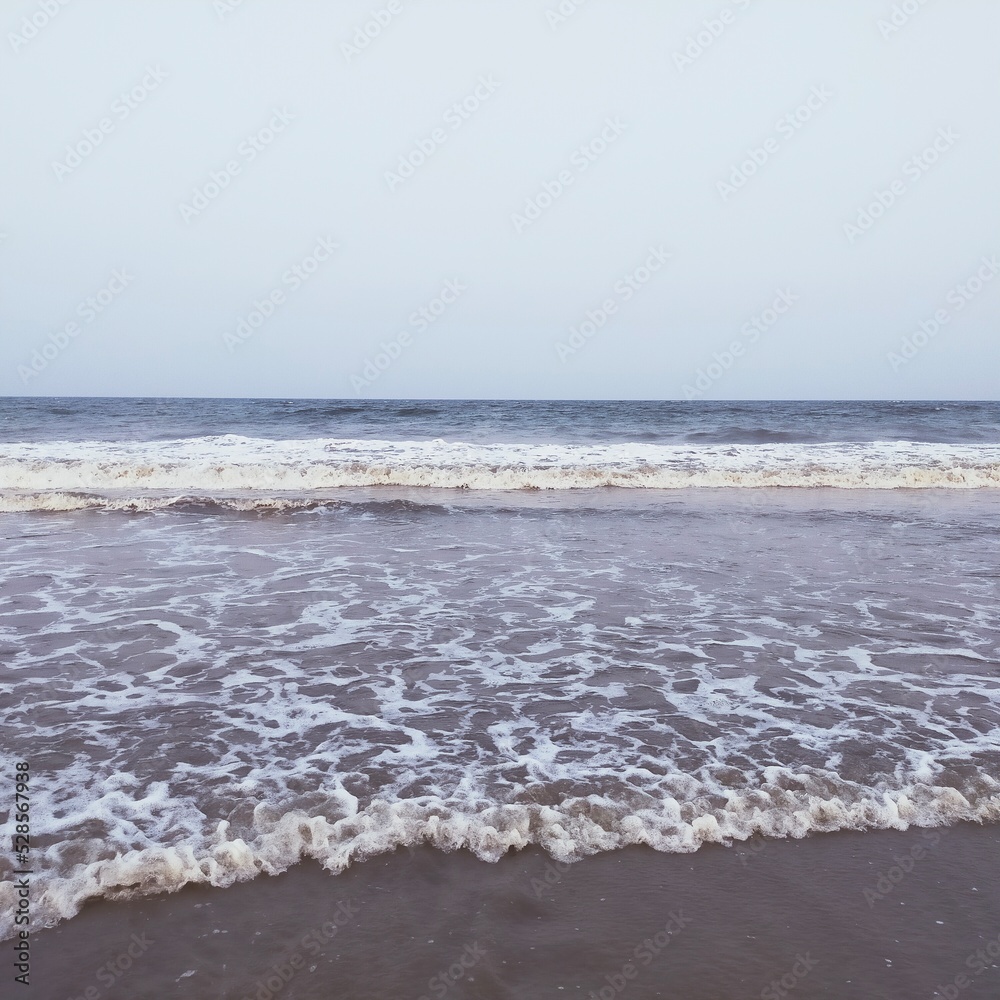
(205, 693)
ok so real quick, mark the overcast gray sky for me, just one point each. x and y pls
(586, 198)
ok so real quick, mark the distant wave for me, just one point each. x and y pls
(751, 435)
(67, 475)
(185, 503)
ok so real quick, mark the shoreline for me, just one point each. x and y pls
(884, 915)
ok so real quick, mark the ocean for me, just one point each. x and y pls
(477, 663)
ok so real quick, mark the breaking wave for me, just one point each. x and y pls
(243, 473)
(786, 804)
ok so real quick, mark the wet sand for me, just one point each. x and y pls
(881, 916)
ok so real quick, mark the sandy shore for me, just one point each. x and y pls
(836, 915)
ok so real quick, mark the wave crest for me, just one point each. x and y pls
(246, 473)
(568, 831)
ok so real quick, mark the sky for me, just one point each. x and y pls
(500, 198)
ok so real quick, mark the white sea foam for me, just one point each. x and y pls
(65, 475)
(206, 698)
(785, 805)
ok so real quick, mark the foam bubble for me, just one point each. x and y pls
(569, 831)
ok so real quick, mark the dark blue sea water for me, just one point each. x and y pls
(561, 422)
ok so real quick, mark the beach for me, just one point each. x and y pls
(461, 699)
(834, 915)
